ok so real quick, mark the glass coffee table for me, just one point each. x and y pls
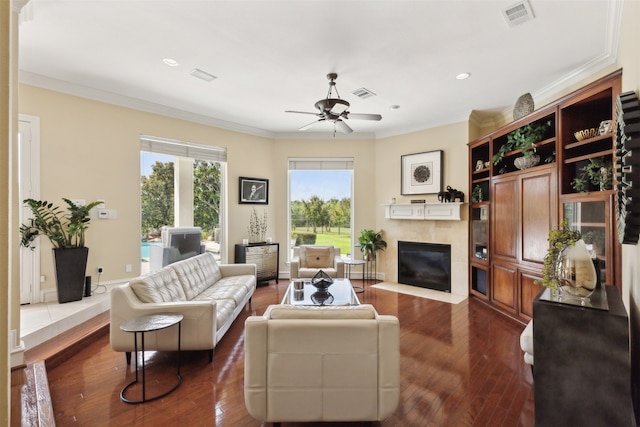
(302, 292)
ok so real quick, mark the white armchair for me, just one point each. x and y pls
(307, 260)
(305, 364)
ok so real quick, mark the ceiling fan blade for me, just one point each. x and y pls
(310, 125)
(302, 112)
(357, 116)
(343, 127)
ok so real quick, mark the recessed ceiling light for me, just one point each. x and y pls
(171, 62)
(463, 76)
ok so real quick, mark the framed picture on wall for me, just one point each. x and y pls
(421, 173)
(253, 191)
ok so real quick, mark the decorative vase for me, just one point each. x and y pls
(576, 272)
(526, 162)
(524, 105)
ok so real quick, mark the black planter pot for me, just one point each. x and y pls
(71, 266)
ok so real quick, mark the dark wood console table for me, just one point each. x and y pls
(582, 374)
(266, 257)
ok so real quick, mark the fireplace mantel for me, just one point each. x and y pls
(424, 211)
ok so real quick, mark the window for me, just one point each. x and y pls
(320, 202)
(180, 185)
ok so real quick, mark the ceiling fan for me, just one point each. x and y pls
(335, 110)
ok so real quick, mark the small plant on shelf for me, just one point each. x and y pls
(476, 194)
(598, 172)
(559, 239)
(524, 138)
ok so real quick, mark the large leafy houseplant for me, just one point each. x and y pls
(65, 230)
(370, 243)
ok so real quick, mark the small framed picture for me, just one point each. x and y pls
(421, 173)
(253, 191)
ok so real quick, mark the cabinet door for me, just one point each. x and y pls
(539, 207)
(503, 281)
(528, 291)
(504, 218)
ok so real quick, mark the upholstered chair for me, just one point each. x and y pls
(321, 364)
(307, 260)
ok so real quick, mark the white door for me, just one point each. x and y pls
(29, 187)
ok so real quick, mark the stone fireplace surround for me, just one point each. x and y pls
(454, 233)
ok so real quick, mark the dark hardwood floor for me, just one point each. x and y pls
(461, 365)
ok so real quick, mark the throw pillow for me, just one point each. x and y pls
(318, 257)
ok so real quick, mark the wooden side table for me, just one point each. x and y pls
(149, 323)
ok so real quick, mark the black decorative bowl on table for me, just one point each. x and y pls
(322, 281)
(322, 297)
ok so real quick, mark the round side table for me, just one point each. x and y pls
(348, 264)
(150, 323)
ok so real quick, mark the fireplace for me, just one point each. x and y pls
(427, 265)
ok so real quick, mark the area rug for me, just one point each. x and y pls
(420, 292)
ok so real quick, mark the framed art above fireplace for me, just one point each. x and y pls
(421, 173)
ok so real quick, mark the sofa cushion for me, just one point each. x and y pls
(318, 257)
(159, 286)
(196, 274)
(364, 311)
(209, 267)
(233, 288)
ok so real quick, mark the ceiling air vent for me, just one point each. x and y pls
(363, 93)
(198, 73)
(518, 13)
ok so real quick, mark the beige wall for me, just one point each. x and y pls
(90, 150)
(452, 139)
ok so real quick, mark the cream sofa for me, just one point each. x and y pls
(305, 364)
(209, 296)
(307, 260)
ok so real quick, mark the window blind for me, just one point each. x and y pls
(335, 163)
(172, 147)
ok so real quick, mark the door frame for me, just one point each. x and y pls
(29, 187)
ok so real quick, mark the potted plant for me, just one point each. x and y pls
(370, 243)
(524, 138)
(598, 172)
(559, 239)
(65, 230)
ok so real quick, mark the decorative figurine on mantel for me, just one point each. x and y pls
(450, 195)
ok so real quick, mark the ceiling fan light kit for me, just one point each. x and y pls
(335, 110)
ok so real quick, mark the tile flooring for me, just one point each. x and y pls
(41, 322)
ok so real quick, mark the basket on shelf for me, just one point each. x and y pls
(585, 133)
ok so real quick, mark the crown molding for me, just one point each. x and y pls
(68, 88)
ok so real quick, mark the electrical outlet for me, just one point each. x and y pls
(127, 268)
(100, 270)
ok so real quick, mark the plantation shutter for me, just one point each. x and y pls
(308, 164)
(172, 147)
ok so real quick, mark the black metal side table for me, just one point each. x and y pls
(348, 265)
(149, 323)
